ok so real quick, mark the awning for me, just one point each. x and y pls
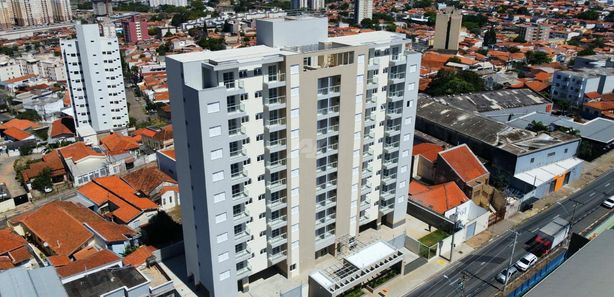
(547, 173)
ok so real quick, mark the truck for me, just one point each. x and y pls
(550, 236)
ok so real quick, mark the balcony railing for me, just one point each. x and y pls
(328, 166)
(238, 174)
(274, 77)
(277, 121)
(398, 75)
(244, 271)
(327, 110)
(326, 148)
(276, 142)
(391, 145)
(240, 107)
(278, 220)
(372, 80)
(329, 129)
(395, 94)
(276, 163)
(277, 202)
(237, 131)
(328, 90)
(398, 110)
(238, 153)
(277, 183)
(275, 100)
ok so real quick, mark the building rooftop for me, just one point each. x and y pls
(370, 38)
(588, 72)
(105, 281)
(429, 151)
(514, 140)
(464, 162)
(599, 129)
(31, 283)
(588, 270)
(440, 198)
(99, 259)
(493, 100)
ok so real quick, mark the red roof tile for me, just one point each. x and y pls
(61, 127)
(169, 153)
(427, 150)
(50, 160)
(139, 256)
(78, 151)
(58, 260)
(84, 253)
(20, 78)
(462, 160)
(10, 241)
(16, 134)
(440, 198)
(20, 255)
(20, 124)
(118, 144)
(592, 95)
(146, 179)
(600, 105)
(101, 258)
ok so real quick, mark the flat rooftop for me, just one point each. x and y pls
(589, 72)
(514, 140)
(243, 54)
(587, 273)
(599, 129)
(494, 100)
(105, 281)
(369, 38)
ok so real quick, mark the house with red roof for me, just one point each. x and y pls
(594, 109)
(62, 129)
(155, 184)
(441, 204)
(424, 158)
(98, 261)
(63, 228)
(118, 144)
(14, 250)
(163, 139)
(167, 162)
(19, 130)
(461, 165)
(51, 160)
(83, 163)
(115, 199)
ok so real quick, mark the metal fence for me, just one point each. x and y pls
(545, 268)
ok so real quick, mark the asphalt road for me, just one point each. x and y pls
(483, 265)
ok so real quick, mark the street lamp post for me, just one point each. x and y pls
(509, 265)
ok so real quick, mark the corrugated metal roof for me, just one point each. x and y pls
(19, 282)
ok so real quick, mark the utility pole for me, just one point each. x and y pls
(573, 213)
(509, 265)
(453, 232)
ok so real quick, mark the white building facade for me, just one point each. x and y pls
(363, 9)
(290, 146)
(95, 80)
(156, 3)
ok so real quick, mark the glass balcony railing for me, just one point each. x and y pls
(329, 90)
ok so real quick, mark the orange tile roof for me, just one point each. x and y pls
(10, 241)
(101, 258)
(58, 260)
(112, 232)
(84, 253)
(78, 151)
(144, 132)
(169, 153)
(20, 78)
(161, 96)
(462, 160)
(147, 179)
(537, 86)
(440, 198)
(543, 76)
(118, 144)
(16, 134)
(592, 95)
(50, 160)
(60, 127)
(139, 256)
(120, 188)
(54, 225)
(20, 124)
(600, 105)
(427, 150)
(6, 263)
(20, 254)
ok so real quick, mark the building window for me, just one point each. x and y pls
(222, 237)
(218, 176)
(220, 218)
(222, 257)
(216, 154)
(224, 275)
(532, 160)
(213, 107)
(551, 154)
(292, 267)
(215, 131)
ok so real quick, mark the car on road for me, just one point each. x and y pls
(526, 262)
(506, 274)
(608, 203)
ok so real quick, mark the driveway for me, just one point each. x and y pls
(137, 108)
(7, 174)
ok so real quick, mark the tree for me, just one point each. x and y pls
(43, 180)
(513, 49)
(25, 150)
(214, 44)
(537, 126)
(454, 59)
(423, 3)
(366, 23)
(586, 52)
(161, 230)
(449, 82)
(490, 37)
(30, 115)
(588, 15)
(391, 27)
(537, 58)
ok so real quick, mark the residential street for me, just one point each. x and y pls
(484, 264)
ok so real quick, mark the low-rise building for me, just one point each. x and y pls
(163, 139)
(39, 282)
(14, 251)
(84, 164)
(167, 162)
(155, 184)
(571, 85)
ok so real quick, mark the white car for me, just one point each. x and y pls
(608, 203)
(526, 262)
(506, 274)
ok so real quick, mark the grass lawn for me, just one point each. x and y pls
(433, 238)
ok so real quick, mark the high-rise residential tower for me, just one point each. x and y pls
(95, 80)
(135, 29)
(363, 9)
(308, 4)
(35, 12)
(447, 29)
(289, 146)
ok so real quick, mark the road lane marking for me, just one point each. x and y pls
(607, 185)
(591, 194)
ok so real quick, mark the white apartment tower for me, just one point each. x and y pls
(95, 80)
(363, 9)
(289, 146)
(308, 4)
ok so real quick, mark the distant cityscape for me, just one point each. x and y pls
(306, 148)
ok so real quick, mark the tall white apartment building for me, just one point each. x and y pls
(7, 17)
(290, 146)
(34, 12)
(61, 10)
(95, 80)
(363, 9)
(308, 4)
(156, 3)
(9, 68)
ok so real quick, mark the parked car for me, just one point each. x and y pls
(526, 262)
(506, 274)
(608, 203)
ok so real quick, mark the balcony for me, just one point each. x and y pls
(386, 206)
(327, 184)
(278, 123)
(332, 90)
(364, 219)
(387, 195)
(326, 203)
(241, 217)
(331, 166)
(274, 80)
(328, 130)
(238, 174)
(234, 87)
(243, 255)
(325, 220)
(365, 204)
(394, 112)
(276, 144)
(324, 239)
(397, 59)
(372, 82)
(237, 131)
(275, 102)
(393, 130)
(391, 146)
(390, 163)
(240, 197)
(277, 204)
(395, 95)
(236, 109)
(331, 148)
(278, 257)
(373, 63)
(332, 110)
(367, 171)
(365, 189)
(278, 222)
(243, 236)
(244, 272)
(396, 77)
(277, 240)
(276, 165)
(276, 185)
(238, 154)
(390, 178)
